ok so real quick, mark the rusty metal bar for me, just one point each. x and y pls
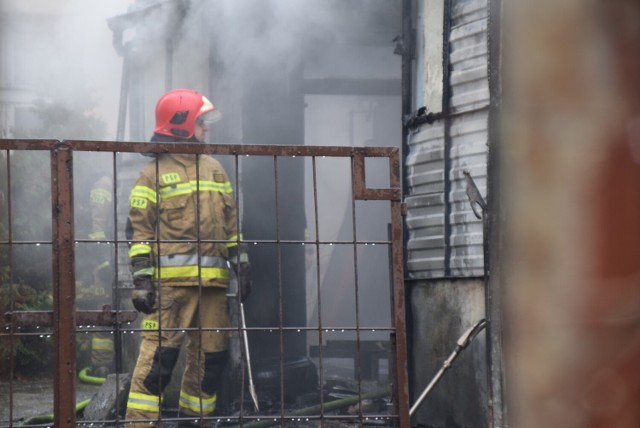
(12, 342)
(103, 318)
(318, 290)
(115, 292)
(64, 297)
(198, 148)
(360, 190)
(280, 289)
(399, 339)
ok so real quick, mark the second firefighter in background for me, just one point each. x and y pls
(95, 272)
(183, 227)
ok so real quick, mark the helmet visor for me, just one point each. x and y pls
(210, 117)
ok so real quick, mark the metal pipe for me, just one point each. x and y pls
(124, 98)
(245, 339)
(463, 341)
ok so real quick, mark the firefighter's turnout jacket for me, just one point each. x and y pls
(182, 215)
(195, 219)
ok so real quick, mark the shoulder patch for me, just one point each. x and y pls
(219, 177)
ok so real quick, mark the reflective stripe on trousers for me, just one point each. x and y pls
(98, 344)
(191, 403)
(145, 402)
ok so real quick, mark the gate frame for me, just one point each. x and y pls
(64, 294)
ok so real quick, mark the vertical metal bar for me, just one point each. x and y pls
(12, 343)
(446, 109)
(115, 292)
(406, 71)
(159, 289)
(168, 66)
(318, 288)
(280, 293)
(199, 254)
(241, 328)
(407, 57)
(124, 96)
(399, 341)
(407, 101)
(136, 99)
(359, 185)
(491, 231)
(64, 298)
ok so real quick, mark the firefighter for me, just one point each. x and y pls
(101, 205)
(95, 289)
(184, 237)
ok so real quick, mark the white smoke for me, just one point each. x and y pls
(60, 50)
(66, 52)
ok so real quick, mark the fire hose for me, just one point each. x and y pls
(462, 342)
(324, 407)
(85, 377)
(43, 419)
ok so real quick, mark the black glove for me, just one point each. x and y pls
(243, 273)
(143, 295)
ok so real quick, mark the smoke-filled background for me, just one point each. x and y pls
(58, 52)
(284, 72)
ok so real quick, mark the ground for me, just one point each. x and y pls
(33, 398)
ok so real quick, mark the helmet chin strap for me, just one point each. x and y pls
(180, 133)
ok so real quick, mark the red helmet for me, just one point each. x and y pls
(178, 110)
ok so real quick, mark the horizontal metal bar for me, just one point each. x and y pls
(422, 116)
(198, 148)
(45, 318)
(26, 242)
(276, 329)
(360, 190)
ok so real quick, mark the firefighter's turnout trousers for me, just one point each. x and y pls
(163, 332)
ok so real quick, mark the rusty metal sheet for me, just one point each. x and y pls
(574, 209)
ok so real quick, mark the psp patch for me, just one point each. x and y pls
(171, 178)
(135, 202)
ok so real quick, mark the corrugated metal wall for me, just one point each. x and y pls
(445, 237)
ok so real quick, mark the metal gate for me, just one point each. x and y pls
(358, 366)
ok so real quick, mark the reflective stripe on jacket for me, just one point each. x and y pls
(177, 206)
(101, 208)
